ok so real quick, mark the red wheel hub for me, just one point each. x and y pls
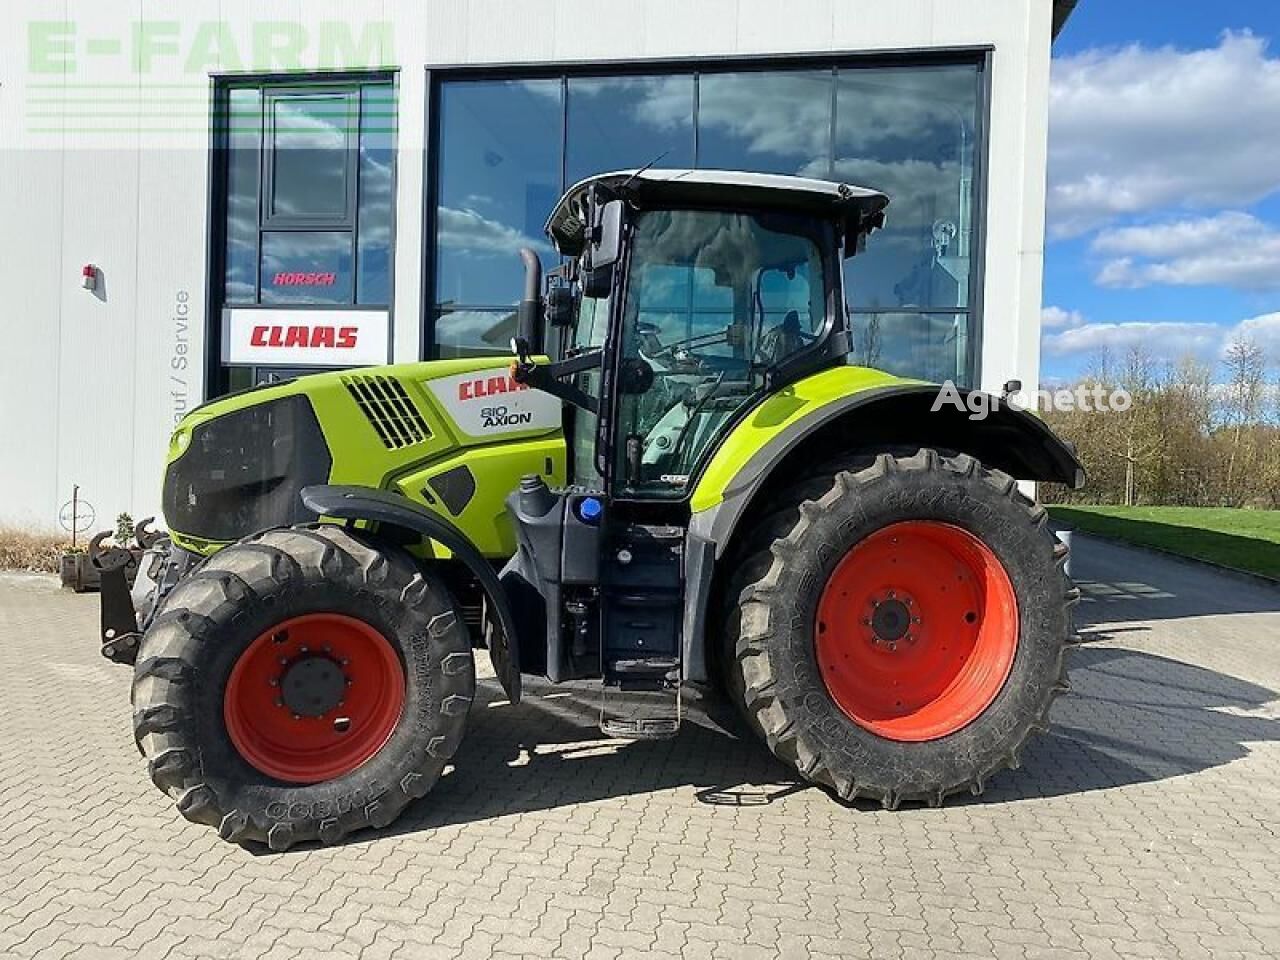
(917, 628)
(314, 697)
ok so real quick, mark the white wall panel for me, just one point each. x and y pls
(406, 342)
(30, 276)
(766, 25)
(678, 28)
(171, 252)
(888, 25)
(586, 31)
(502, 31)
(99, 331)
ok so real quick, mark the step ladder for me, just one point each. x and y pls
(642, 610)
(645, 702)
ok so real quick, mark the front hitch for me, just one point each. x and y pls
(119, 623)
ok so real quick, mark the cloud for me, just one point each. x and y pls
(1229, 249)
(1070, 334)
(1055, 318)
(920, 191)
(468, 230)
(1264, 331)
(1173, 339)
(786, 114)
(1135, 129)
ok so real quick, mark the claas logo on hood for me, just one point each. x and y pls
(488, 387)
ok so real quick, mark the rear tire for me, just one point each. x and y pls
(220, 750)
(783, 666)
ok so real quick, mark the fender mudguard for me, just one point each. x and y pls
(383, 507)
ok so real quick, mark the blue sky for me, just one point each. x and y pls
(1164, 181)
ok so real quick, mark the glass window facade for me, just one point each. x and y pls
(506, 149)
(308, 193)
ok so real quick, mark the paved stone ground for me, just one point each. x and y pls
(1145, 824)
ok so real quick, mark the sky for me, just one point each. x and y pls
(1164, 181)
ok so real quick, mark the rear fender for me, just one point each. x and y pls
(391, 509)
(818, 422)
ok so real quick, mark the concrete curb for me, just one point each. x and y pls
(1235, 572)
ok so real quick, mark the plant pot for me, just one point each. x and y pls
(79, 573)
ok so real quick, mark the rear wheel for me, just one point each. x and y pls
(899, 629)
(300, 685)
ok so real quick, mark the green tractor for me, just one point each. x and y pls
(678, 479)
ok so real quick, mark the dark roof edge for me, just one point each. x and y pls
(1061, 11)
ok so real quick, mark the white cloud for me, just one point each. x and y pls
(1074, 336)
(1230, 249)
(1264, 331)
(1134, 130)
(1056, 318)
(468, 230)
(1173, 339)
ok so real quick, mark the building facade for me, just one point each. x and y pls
(198, 201)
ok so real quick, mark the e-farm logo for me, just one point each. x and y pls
(153, 47)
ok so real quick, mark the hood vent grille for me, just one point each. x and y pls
(387, 406)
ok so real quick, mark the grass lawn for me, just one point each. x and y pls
(1244, 539)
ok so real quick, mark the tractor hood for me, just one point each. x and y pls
(238, 464)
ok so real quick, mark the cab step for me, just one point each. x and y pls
(645, 713)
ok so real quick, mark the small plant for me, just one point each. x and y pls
(124, 529)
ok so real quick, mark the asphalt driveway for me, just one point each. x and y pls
(1147, 823)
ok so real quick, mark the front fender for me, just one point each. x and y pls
(392, 509)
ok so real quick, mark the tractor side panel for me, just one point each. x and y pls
(470, 488)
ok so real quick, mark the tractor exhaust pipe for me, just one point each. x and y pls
(529, 313)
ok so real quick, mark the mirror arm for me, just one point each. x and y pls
(547, 378)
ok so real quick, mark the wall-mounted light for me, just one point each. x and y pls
(89, 277)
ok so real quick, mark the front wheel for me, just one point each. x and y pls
(899, 629)
(302, 684)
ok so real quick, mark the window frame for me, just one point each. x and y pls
(978, 56)
(269, 222)
(221, 85)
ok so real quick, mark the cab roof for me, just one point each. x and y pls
(860, 209)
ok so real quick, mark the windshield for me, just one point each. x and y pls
(715, 300)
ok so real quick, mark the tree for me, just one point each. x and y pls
(1246, 368)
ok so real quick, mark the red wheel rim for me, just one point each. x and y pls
(314, 697)
(917, 628)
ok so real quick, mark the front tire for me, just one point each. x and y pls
(899, 629)
(300, 685)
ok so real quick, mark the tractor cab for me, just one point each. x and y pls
(687, 297)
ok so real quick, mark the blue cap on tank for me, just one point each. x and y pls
(589, 509)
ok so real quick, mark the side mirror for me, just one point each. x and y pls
(605, 248)
(606, 239)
